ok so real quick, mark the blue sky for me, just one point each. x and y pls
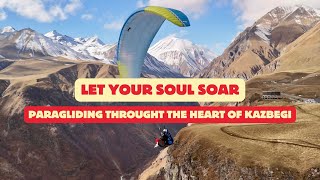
(214, 23)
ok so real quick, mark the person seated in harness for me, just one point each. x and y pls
(165, 139)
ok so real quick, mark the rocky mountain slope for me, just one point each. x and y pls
(211, 152)
(302, 55)
(262, 151)
(263, 42)
(182, 55)
(156, 69)
(295, 73)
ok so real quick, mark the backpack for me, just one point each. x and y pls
(170, 139)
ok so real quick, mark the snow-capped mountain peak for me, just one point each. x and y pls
(53, 33)
(301, 8)
(92, 46)
(60, 38)
(263, 42)
(7, 29)
(298, 15)
(80, 39)
(172, 43)
(94, 40)
(90, 41)
(182, 55)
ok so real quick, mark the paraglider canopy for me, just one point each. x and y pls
(137, 34)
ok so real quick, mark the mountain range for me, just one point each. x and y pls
(92, 46)
(263, 42)
(27, 43)
(179, 56)
(279, 52)
(250, 53)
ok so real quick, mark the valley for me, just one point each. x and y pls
(65, 151)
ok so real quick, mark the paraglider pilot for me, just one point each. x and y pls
(165, 139)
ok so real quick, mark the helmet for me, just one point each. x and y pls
(165, 130)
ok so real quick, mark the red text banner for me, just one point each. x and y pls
(158, 114)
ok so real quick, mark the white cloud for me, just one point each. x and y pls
(249, 11)
(180, 34)
(221, 3)
(86, 16)
(3, 15)
(140, 4)
(114, 25)
(194, 8)
(219, 47)
(33, 9)
(56, 11)
(41, 10)
(73, 6)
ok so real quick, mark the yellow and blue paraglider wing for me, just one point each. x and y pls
(172, 15)
(137, 34)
